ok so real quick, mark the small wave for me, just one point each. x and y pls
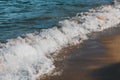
(28, 57)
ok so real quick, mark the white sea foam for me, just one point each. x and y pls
(30, 57)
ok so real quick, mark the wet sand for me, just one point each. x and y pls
(95, 59)
(111, 71)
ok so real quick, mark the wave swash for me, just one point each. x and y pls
(29, 57)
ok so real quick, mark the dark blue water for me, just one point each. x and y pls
(18, 17)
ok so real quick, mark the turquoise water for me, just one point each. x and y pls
(18, 17)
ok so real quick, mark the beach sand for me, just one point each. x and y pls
(95, 59)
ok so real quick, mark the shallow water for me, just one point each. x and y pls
(18, 17)
(95, 59)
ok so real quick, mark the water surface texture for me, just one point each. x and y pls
(18, 17)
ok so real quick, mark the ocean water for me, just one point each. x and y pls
(30, 56)
(18, 17)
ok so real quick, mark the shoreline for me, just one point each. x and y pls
(88, 65)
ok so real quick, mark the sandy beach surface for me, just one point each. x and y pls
(95, 59)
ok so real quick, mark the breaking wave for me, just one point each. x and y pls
(28, 57)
